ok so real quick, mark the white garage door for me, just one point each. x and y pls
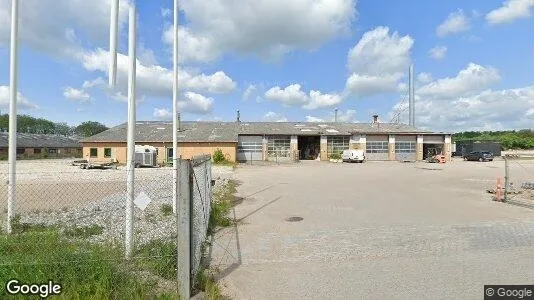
(406, 147)
(376, 147)
(279, 147)
(249, 148)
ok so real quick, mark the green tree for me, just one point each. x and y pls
(63, 129)
(90, 128)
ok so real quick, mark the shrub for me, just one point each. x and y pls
(218, 156)
(335, 156)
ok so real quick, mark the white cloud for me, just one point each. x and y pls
(165, 12)
(510, 11)
(424, 77)
(77, 95)
(146, 56)
(52, 27)
(155, 80)
(274, 117)
(378, 62)
(438, 52)
(94, 83)
(162, 114)
(192, 47)
(487, 110)
(251, 90)
(313, 119)
(264, 28)
(456, 22)
(22, 102)
(474, 78)
(292, 95)
(196, 103)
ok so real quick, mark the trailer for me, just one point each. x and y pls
(95, 164)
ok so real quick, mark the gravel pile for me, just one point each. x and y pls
(155, 222)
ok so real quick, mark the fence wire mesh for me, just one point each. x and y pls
(83, 211)
(201, 196)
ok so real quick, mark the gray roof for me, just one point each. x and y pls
(154, 131)
(32, 140)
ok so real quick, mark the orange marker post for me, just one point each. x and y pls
(499, 189)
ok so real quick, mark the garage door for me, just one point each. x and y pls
(406, 148)
(249, 148)
(376, 147)
(433, 139)
(279, 147)
(336, 144)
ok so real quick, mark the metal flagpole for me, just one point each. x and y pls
(13, 77)
(180, 198)
(131, 129)
(113, 32)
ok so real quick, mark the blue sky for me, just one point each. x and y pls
(282, 60)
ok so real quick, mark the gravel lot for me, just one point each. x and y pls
(54, 192)
(375, 230)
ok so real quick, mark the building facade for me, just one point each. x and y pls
(273, 141)
(41, 145)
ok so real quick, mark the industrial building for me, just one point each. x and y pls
(280, 141)
(41, 145)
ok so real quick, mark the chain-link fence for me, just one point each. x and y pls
(85, 210)
(518, 181)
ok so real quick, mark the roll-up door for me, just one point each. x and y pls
(249, 148)
(376, 147)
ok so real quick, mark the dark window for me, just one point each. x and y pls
(52, 151)
(107, 152)
(37, 150)
(21, 150)
(170, 153)
(93, 152)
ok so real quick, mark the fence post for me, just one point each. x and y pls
(183, 224)
(506, 178)
(13, 77)
(132, 36)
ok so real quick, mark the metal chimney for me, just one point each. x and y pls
(411, 97)
(335, 115)
(375, 119)
(238, 116)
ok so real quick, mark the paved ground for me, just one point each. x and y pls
(395, 230)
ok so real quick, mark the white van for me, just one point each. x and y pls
(353, 155)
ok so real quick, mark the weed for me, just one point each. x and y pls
(206, 283)
(84, 232)
(224, 200)
(218, 156)
(151, 218)
(166, 209)
(159, 257)
(20, 227)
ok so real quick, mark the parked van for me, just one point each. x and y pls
(353, 155)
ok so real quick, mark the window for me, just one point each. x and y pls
(21, 151)
(52, 151)
(377, 147)
(405, 147)
(107, 152)
(170, 153)
(278, 146)
(249, 147)
(93, 152)
(336, 144)
(37, 150)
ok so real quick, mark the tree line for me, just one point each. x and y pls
(509, 139)
(29, 124)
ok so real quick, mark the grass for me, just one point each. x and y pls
(206, 283)
(166, 252)
(84, 231)
(166, 209)
(223, 200)
(38, 253)
(84, 270)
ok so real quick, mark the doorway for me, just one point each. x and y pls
(309, 147)
(429, 150)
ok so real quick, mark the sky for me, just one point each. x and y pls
(280, 60)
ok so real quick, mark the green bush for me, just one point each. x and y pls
(218, 156)
(335, 156)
